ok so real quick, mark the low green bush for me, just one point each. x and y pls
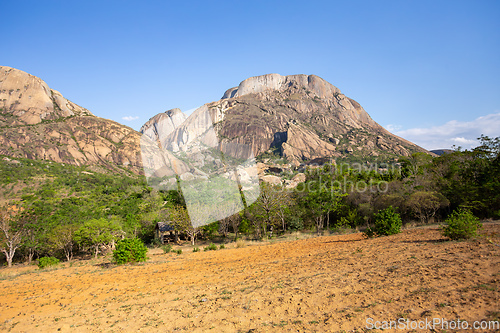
(130, 250)
(387, 222)
(47, 261)
(196, 249)
(210, 247)
(178, 251)
(166, 248)
(222, 246)
(461, 224)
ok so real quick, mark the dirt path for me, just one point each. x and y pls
(324, 284)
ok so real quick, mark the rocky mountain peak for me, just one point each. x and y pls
(27, 99)
(301, 117)
(37, 122)
(258, 84)
(163, 124)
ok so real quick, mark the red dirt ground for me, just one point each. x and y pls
(323, 284)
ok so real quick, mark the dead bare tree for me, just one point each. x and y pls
(12, 234)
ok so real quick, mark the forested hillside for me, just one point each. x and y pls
(56, 209)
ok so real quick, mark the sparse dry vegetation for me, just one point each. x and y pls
(330, 283)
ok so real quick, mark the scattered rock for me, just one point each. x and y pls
(273, 180)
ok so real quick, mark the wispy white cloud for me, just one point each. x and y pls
(130, 118)
(458, 133)
(393, 128)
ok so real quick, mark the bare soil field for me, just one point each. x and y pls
(323, 284)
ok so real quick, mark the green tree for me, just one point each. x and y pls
(61, 238)
(151, 212)
(232, 219)
(268, 209)
(34, 235)
(414, 165)
(425, 204)
(321, 202)
(95, 233)
(471, 179)
(181, 222)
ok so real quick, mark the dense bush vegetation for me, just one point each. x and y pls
(461, 224)
(387, 222)
(47, 261)
(129, 250)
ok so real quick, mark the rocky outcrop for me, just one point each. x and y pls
(296, 180)
(273, 180)
(257, 84)
(26, 100)
(163, 124)
(305, 117)
(302, 117)
(37, 122)
(303, 144)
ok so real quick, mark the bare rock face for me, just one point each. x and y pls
(37, 122)
(273, 180)
(31, 101)
(303, 144)
(163, 124)
(259, 84)
(268, 82)
(296, 180)
(303, 117)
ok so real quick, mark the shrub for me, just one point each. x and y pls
(178, 251)
(156, 242)
(222, 246)
(387, 222)
(343, 225)
(341, 228)
(196, 249)
(211, 247)
(240, 243)
(127, 250)
(47, 261)
(461, 224)
(166, 248)
(295, 223)
(369, 232)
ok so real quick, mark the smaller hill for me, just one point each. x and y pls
(38, 123)
(440, 152)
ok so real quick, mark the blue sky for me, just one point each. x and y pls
(427, 70)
